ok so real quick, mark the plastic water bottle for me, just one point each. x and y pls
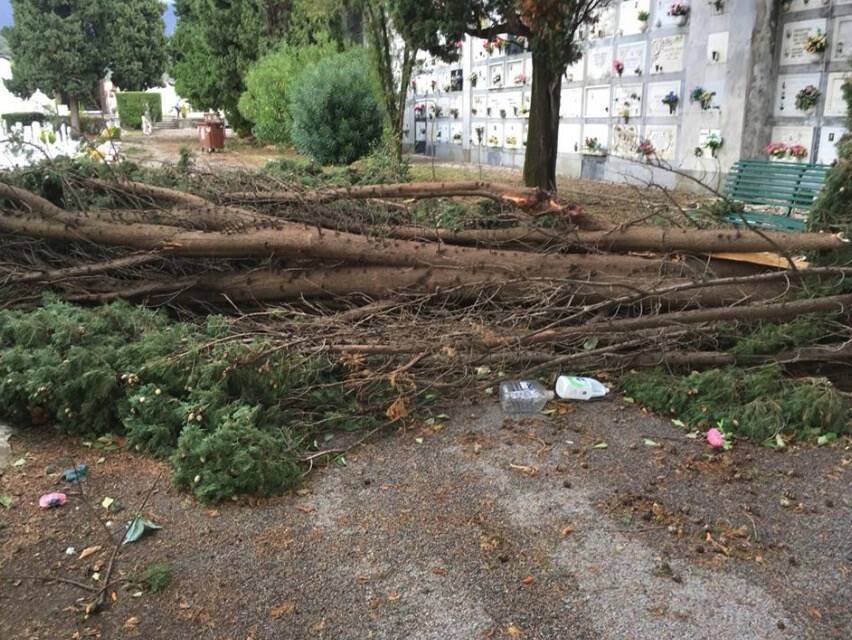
(579, 388)
(523, 397)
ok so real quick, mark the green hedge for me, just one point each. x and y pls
(25, 117)
(131, 107)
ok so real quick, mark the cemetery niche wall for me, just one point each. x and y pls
(695, 87)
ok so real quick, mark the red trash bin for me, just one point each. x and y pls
(211, 133)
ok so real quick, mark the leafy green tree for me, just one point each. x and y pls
(552, 28)
(215, 43)
(65, 47)
(57, 48)
(137, 43)
(268, 85)
(336, 118)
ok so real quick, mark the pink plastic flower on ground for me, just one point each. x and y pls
(715, 438)
(49, 500)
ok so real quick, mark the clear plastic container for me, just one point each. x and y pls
(523, 397)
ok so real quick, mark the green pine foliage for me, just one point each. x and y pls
(131, 107)
(770, 337)
(753, 403)
(231, 417)
(336, 118)
(136, 41)
(268, 85)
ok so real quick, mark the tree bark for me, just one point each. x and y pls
(543, 136)
(779, 311)
(74, 109)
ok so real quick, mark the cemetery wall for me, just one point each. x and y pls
(747, 57)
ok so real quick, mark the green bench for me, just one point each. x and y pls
(791, 185)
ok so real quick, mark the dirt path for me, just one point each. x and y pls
(484, 528)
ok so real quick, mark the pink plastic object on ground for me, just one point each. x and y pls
(715, 438)
(49, 500)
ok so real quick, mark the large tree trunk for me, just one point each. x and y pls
(74, 109)
(540, 160)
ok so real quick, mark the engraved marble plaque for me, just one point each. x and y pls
(599, 131)
(569, 138)
(785, 93)
(835, 105)
(515, 74)
(575, 72)
(478, 47)
(495, 76)
(627, 101)
(828, 139)
(625, 139)
(794, 135)
(802, 5)
(664, 139)
(597, 102)
(514, 135)
(793, 41)
(512, 104)
(841, 43)
(633, 57)
(717, 48)
(667, 54)
(605, 26)
(571, 105)
(654, 102)
(495, 134)
(628, 20)
(599, 63)
(477, 106)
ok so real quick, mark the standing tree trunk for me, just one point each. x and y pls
(74, 109)
(543, 136)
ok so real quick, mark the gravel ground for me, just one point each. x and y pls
(484, 528)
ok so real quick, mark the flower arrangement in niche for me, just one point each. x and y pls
(502, 113)
(679, 10)
(646, 149)
(777, 150)
(798, 151)
(454, 113)
(702, 97)
(643, 18)
(718, 5)
(807, 98)
(493, 141)
(593, 144)
(473, 78)
(496, 80)
(457, 137)
(419, 110)
(439, 112)
(816, 42)
(671, 99)
(624, 112)
(618, 66)
(480, 132)
(521, 78)
(713, 142)
(511, 141)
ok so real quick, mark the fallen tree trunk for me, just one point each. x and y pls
(778, 311)
(637, 239)
(304, 241)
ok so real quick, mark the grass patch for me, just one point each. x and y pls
(231, 417)
(155, 577)
(756, 404)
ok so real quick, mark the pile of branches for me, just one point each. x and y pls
(540, 285)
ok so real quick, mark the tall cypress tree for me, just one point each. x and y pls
(136, 43)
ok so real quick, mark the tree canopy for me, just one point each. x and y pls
(137, 43)
(65, 47)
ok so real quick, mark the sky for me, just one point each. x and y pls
(6, 15)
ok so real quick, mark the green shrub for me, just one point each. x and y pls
(268, 85)
(131, 107)
(754, 403)
(231, 418)
(336, 118)
(93, 125)
(383, 164)
(24, 117)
